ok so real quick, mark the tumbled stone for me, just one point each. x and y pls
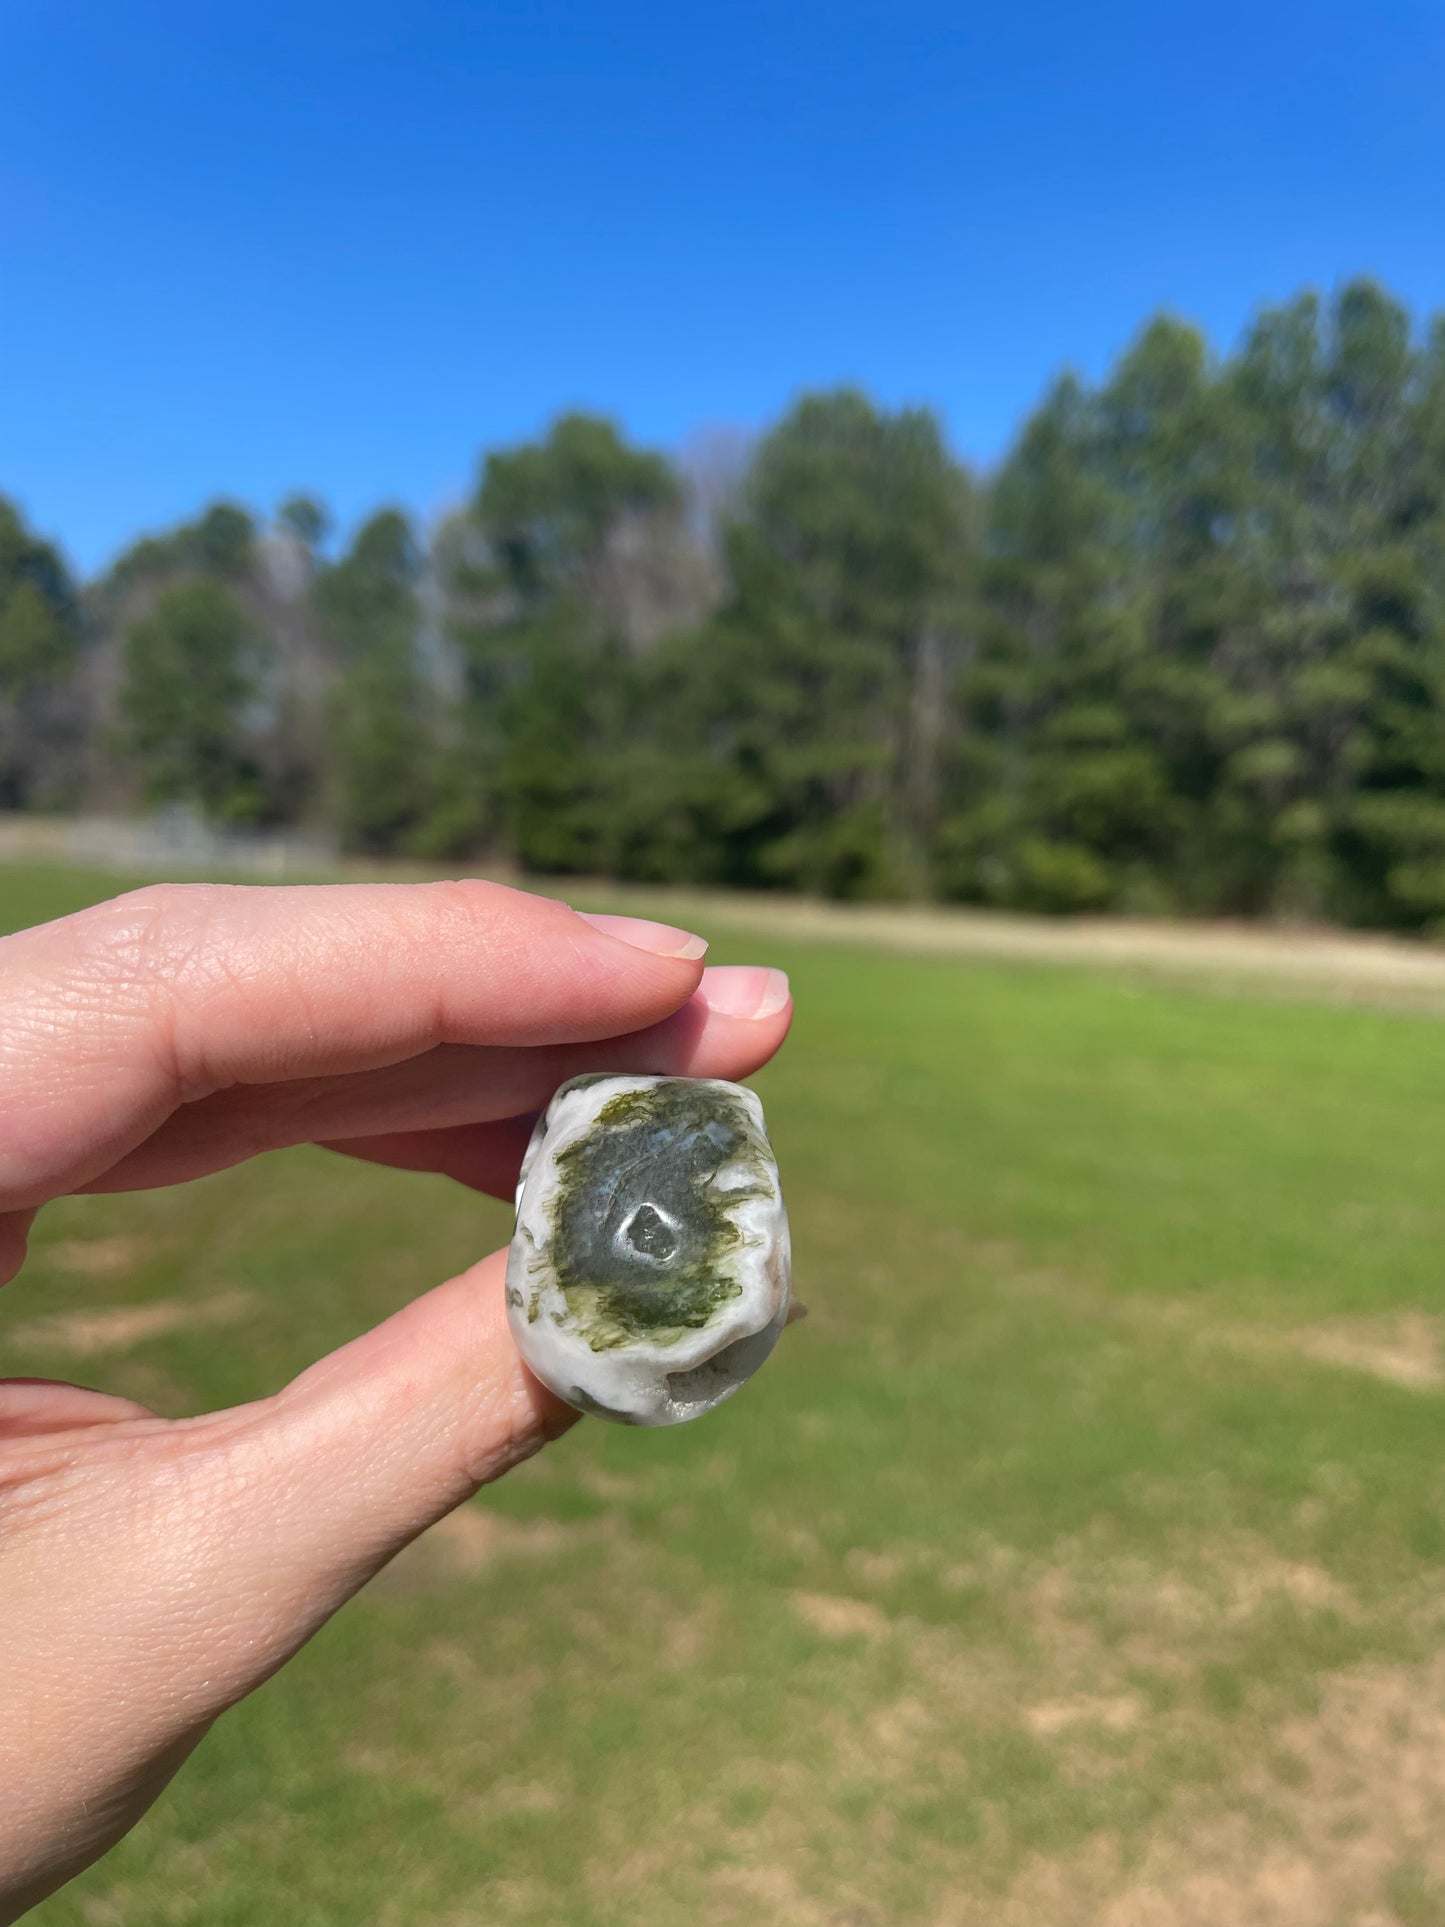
(649, 1274)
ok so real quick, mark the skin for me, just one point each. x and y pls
(153, 1572)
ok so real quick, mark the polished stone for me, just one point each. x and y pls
(649, 1274)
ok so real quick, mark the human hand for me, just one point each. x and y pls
(153, 1572)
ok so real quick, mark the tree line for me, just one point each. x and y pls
(1183, 652)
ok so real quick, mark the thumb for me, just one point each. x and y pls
(293, 1503)
(151, 1574)
(317, 1487)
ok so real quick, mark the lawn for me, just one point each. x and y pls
(1078, 1560)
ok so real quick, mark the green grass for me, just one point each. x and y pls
(1080, 1546)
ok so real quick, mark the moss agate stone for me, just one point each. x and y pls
(649, 1273)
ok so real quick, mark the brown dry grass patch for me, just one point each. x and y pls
(838, 1617)
(1408, 1350)
(110, 1328)
(98, 1257)
(470, 1539)
(1325, 1846)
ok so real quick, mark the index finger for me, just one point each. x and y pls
(112, 1018)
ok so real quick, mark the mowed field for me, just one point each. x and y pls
(1081, 1559)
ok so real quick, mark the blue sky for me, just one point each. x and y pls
(348, 246)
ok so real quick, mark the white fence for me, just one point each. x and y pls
(172, 842)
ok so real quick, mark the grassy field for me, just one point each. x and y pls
(1080, 1560)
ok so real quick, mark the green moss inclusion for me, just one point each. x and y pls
(641, 1238)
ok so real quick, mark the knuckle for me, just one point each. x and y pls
(144, 952)
(138, 975)
(463, 920)
(166, 917)
(472, 907)
(143, 935)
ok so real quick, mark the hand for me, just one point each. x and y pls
(154, 1572)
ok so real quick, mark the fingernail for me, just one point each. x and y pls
(643, 934)
(745, 990)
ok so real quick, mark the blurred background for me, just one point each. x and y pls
(860, 480)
